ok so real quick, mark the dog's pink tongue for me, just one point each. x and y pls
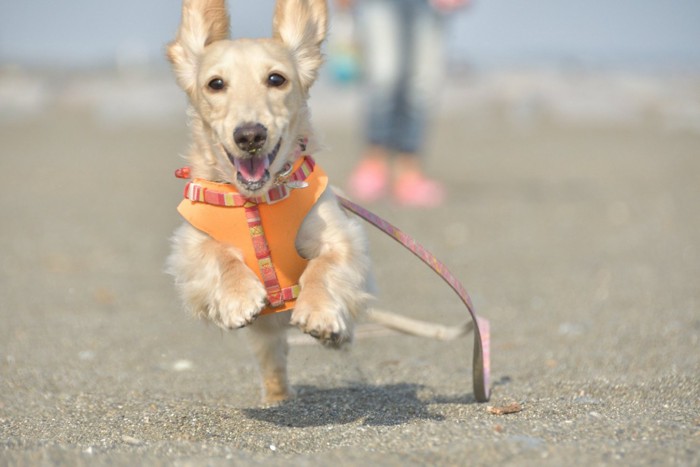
(252, 169)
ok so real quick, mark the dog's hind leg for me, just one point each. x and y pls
(268, 341)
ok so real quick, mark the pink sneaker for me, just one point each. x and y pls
(368, 182)
(415, 190)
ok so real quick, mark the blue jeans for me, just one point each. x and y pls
(403, 66)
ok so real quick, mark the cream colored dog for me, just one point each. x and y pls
(248, 111)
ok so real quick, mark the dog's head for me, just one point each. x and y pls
(248, 95)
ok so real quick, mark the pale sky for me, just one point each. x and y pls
(492, 32)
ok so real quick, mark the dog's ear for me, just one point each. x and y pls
(302, 25)
(203, 22)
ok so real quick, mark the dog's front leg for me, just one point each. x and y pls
(333, 286)
(213, 280)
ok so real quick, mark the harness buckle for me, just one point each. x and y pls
(282, 176)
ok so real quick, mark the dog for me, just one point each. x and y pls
(250, 125)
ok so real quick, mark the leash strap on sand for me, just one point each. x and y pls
(481, 357)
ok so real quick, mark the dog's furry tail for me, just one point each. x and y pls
(418, 328)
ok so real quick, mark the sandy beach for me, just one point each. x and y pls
(573, 220)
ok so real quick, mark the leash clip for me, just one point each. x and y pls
(282, 177)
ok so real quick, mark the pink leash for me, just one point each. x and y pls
(481, 358)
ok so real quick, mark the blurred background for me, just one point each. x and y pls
(568, 138)
(600, 60)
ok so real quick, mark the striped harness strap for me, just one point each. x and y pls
(276, 295)
(200, 194)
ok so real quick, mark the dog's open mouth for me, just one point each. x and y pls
(252, 171)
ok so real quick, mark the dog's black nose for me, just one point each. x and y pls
(250, 137)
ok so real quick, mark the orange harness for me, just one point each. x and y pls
(264, 229)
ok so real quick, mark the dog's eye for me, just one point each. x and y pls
(276, 80)
(217, 84)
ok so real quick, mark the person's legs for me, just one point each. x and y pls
(380, 29)
(424, 72)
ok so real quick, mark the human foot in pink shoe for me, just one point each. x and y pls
(368, 182)
(415, 190)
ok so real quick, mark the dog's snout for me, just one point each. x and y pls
(250, 137)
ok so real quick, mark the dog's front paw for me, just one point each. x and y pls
(240, 306)
(316, 313)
